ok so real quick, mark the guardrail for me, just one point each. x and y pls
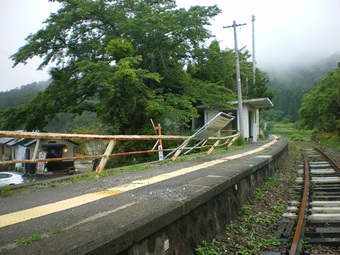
(228, 141)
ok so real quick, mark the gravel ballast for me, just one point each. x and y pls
(254, 229)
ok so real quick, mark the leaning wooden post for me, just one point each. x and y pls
(154, 128)
(105, 157)
(37, 144)
(233, 140)
(180, 149)
(213, 147)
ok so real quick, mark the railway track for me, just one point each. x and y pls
(313, 215)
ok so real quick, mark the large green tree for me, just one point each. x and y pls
(214, 65)
(218, 66)
(320, 108)
(123, 60)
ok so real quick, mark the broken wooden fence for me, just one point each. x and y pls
(112, 139)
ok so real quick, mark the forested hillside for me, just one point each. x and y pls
(22, 95)
(320, 108)
(289, 86)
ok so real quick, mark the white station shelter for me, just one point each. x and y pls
(250, 114)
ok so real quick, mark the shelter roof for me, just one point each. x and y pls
(258, 103)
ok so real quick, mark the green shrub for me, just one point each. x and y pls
(239, 141)
(297, 138)
(327, 139)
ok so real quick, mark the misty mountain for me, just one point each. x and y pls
(290, 84)
(309, 74)
(18, 96)
(61, 124)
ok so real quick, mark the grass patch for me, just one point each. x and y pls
(212, 248)
(326, 139)
(291, 131)
(28, 240)
(6, 191)
(76, 178)
(56, 231)
(37, 237)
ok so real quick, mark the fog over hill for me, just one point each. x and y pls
(291, 83)
(287, 33)
(317, 70)
(18, 96)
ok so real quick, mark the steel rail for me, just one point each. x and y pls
(335, 165)
(320, 226)
(299, 231)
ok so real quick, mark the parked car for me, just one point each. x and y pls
(11, 178)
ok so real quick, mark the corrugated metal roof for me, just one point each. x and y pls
(30, 142)
(4, 140)
(15, 141)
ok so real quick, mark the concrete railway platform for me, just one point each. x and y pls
(168, 209)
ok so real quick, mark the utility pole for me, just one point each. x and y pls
(238, 79)
(253, 42)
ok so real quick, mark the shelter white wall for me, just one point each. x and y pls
(250, 120)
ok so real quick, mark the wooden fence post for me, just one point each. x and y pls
(105, 157)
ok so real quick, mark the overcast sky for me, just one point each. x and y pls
(287, 32)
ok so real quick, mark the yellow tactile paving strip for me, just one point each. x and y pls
(39, 211)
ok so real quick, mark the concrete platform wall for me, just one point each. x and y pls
(201, 217)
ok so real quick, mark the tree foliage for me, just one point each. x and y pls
(320, 107)
(218, 66)
(123, 60)
(214, 65)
